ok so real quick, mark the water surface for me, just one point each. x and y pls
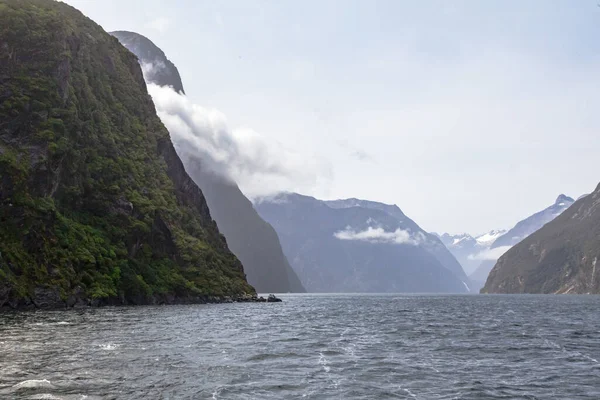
(312, 347)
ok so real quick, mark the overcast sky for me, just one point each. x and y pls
(470, 115)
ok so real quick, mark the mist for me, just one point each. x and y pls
(490, 254)
(260, 166)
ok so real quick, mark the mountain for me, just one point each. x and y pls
(515, 235)
(430, 242)
(359, 246)
(96, 206)
(465, 247)
(488, 238)
(560, 257)
(531, 224)
(249, 237)
(157, 67)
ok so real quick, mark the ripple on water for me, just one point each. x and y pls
(310, 346)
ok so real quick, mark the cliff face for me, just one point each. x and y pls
(159, 69)
(560, 257)
(95, 204)
(249, 237)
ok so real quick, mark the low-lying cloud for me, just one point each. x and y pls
(377, 235)
(490, 254)
(260, 166)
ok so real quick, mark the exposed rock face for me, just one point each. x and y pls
(249, 237)
(95, 205)
(561, 257)
(346, 246)
(158, 68)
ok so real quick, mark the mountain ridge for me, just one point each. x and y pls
(249, 237)
(559, 258)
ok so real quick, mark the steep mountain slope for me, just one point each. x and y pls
(520, 231)
(531, 224)
(479, 276)
(429, 242)
(95, 205)
(157, 67)
(342, 247)
(560, 257)
(249, 237)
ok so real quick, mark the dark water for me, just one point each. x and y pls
(313, 347)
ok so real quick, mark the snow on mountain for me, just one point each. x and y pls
(488, 238)
(464, 246)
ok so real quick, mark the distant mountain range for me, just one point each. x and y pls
(478, 254)
(248, 236)
(531, 224)
(356, 245)
(561, 257)
(466, 247)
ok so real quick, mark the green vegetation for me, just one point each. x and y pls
(91, 200)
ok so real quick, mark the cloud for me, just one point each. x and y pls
(260, 166)
(490, 254)
(377, 235)
(150, 70)
(160, 24)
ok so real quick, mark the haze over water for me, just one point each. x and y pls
(310, 346)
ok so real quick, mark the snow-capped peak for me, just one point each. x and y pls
(489, 237)
(460, 238)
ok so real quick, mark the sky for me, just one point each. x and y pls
(469, 115)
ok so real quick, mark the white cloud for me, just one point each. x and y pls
(160, 24)
(151, 69)
(490, 254)
(442, 96)
(260, 166)
(377, 235)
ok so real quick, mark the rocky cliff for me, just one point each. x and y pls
(95, 204)
(249, 237)
(560, 257)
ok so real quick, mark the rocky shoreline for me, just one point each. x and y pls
(48, 299)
